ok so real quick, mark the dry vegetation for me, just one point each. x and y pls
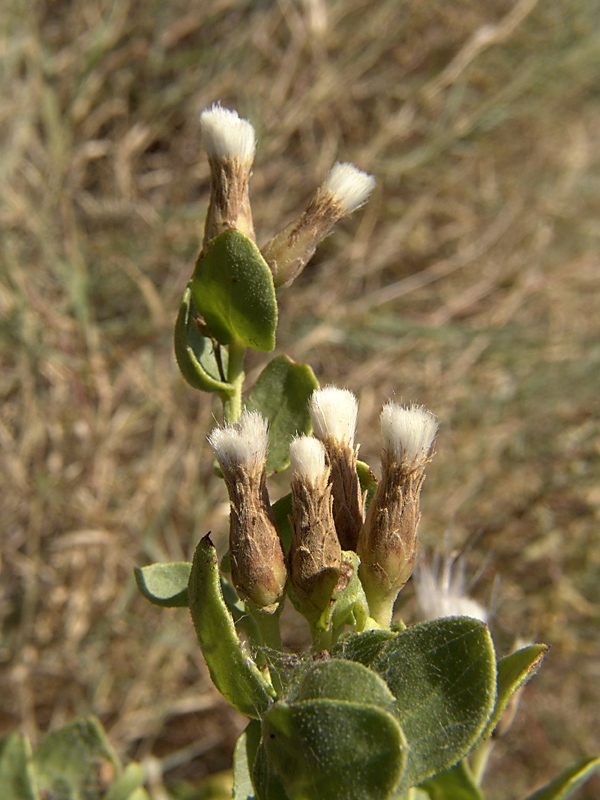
(469, 283)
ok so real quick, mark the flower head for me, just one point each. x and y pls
(344, 190)
(408, 433)
(348, 186)
(225, 135)
(230, 144)
(258, 565)
(333, 412)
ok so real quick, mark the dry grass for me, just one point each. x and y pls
(470, 283)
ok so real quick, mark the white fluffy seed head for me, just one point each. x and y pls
(244, 443)
(333, 413)
(307, 458)
(441, 591)
(408, 433)
(225, 135)
(349, 185)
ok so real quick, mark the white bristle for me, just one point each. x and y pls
(408, 433)
(307, 458)
(441, 591)
(333, 413)
(349, 185)
(244, 443)
(225, 135)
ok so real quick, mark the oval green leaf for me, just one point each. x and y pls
(165, 584)
(195, 353)
(67, 761)
(232, 288)
(281, 395)
(333, 749)
(336, 679)
(443, 675)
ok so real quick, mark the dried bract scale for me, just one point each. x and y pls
(230, 143)
(387, 544)
(345, 189)
(333, 413)
(257, 559)
(315, 553)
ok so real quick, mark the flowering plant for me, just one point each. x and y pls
(374, 709)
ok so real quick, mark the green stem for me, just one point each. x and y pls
(232, 404)
(268, 625)
(321, 640)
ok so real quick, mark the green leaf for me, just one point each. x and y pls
(70, 762)
(231, 668)
(457, 783)
(281, 395)
(195, 353)
(363, 647)
(331, 749)
(244, 756)
(443, 675)
(514, 671)
(282, 510)
(127, 784)
(267, 782)
(16, 777)
(336, 679)
(232, 288)
(368, 481)
(569, 782)
(165, 584)
(351, 603)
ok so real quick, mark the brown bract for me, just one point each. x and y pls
(229, 206)
(258, 564)
(315, 553)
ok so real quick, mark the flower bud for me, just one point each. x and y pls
(315, 553)
(346, 188)
(258, 566)
(333, 413)
(230, 144)
(387, 544)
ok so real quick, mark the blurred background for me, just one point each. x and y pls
(470, 283)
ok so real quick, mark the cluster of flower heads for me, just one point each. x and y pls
(328, 505)
(230, 143)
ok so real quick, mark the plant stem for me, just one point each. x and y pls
(321, 640)
(232, 406)
(268, 625)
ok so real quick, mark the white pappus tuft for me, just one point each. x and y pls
(307, 458)
(408, 433)
(441, 590)
(349, 186)
(226, 135)
(333, 413)
(244, 443)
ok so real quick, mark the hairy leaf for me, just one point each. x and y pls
(232, 288)
(281, 395)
